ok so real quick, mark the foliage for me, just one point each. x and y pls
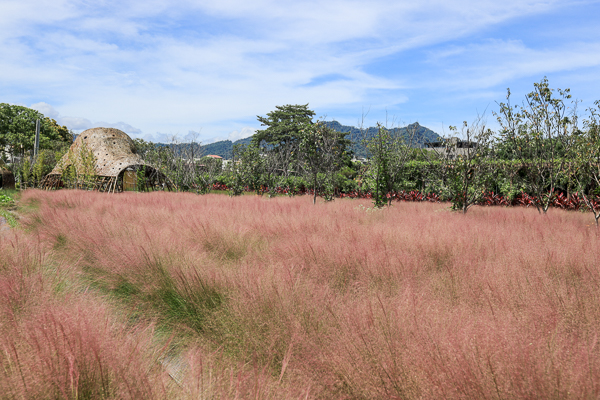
(17, 124)
(25, 173)
(284, 125)
(469, 172)
(539, 131)
(380, 150)
(237, 172)
(250, 167)
(210, 168)
(79, 168)
(586, 156)
(174, 164)
(389, 152)
(6, 200)
(322, 151)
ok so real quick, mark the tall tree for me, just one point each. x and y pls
(322, 151)
(586, 155)
(280, 141)
(467, 164)
(389, 151)
(17, 129)
(541, 131)
(380, 151)
(284, 125)
(244, 169)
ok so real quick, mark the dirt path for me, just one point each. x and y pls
(4, 226)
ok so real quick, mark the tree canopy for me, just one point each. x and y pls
(17, 129)
(283, 125)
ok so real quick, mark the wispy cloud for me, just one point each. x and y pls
(485, 65)
(241, 134)
(215, 65)
(80, 123)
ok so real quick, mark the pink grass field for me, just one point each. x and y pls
(174, 295)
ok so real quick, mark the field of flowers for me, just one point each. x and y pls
(173, 295)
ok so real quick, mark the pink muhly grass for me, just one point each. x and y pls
(56, 344)
(341, 301)
(213, 375)
(77, 352)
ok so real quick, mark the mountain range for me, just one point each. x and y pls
(356, 136)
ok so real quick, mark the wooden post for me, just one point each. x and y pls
(36, 147)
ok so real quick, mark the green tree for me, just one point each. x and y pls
(389, 150)
(252, 165)
(379, 148)
(235, 172)
(59, 133)
(322, 152)
(540, 132)
(17, 128)
(284, 126)
(143, 148)
(469, 165)
(279, 144)
(586, 156)
(42, 166)
(25, 173)
(210, 169)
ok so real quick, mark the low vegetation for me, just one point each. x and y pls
(174, 295)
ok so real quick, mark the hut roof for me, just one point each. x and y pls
(114, 151)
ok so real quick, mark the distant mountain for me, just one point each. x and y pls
(224, 147)
(422, 135)
(357, 136)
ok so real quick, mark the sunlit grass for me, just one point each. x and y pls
(252, 297)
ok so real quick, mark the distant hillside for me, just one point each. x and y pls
(224, 147)
(422, 135)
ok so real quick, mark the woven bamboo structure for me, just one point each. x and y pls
(114, 158)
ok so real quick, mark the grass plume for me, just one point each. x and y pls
(275, 298)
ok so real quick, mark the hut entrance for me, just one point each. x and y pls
(129, 180)
(7, 179)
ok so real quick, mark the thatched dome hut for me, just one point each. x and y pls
(109, 156)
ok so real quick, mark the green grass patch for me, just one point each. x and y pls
(6, 200)
(61, 242)
(9, 217)
(180, 299)
(160, 291)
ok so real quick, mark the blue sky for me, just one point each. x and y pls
(204, 69)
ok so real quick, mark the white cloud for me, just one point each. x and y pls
(79, 123)
(192, 136)
(45, 109)
(488, 64)
(241, 134)
(76, 123)
(118, 125)
(159, 137)
(172, 67)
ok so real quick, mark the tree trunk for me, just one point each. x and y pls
(315, 189)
